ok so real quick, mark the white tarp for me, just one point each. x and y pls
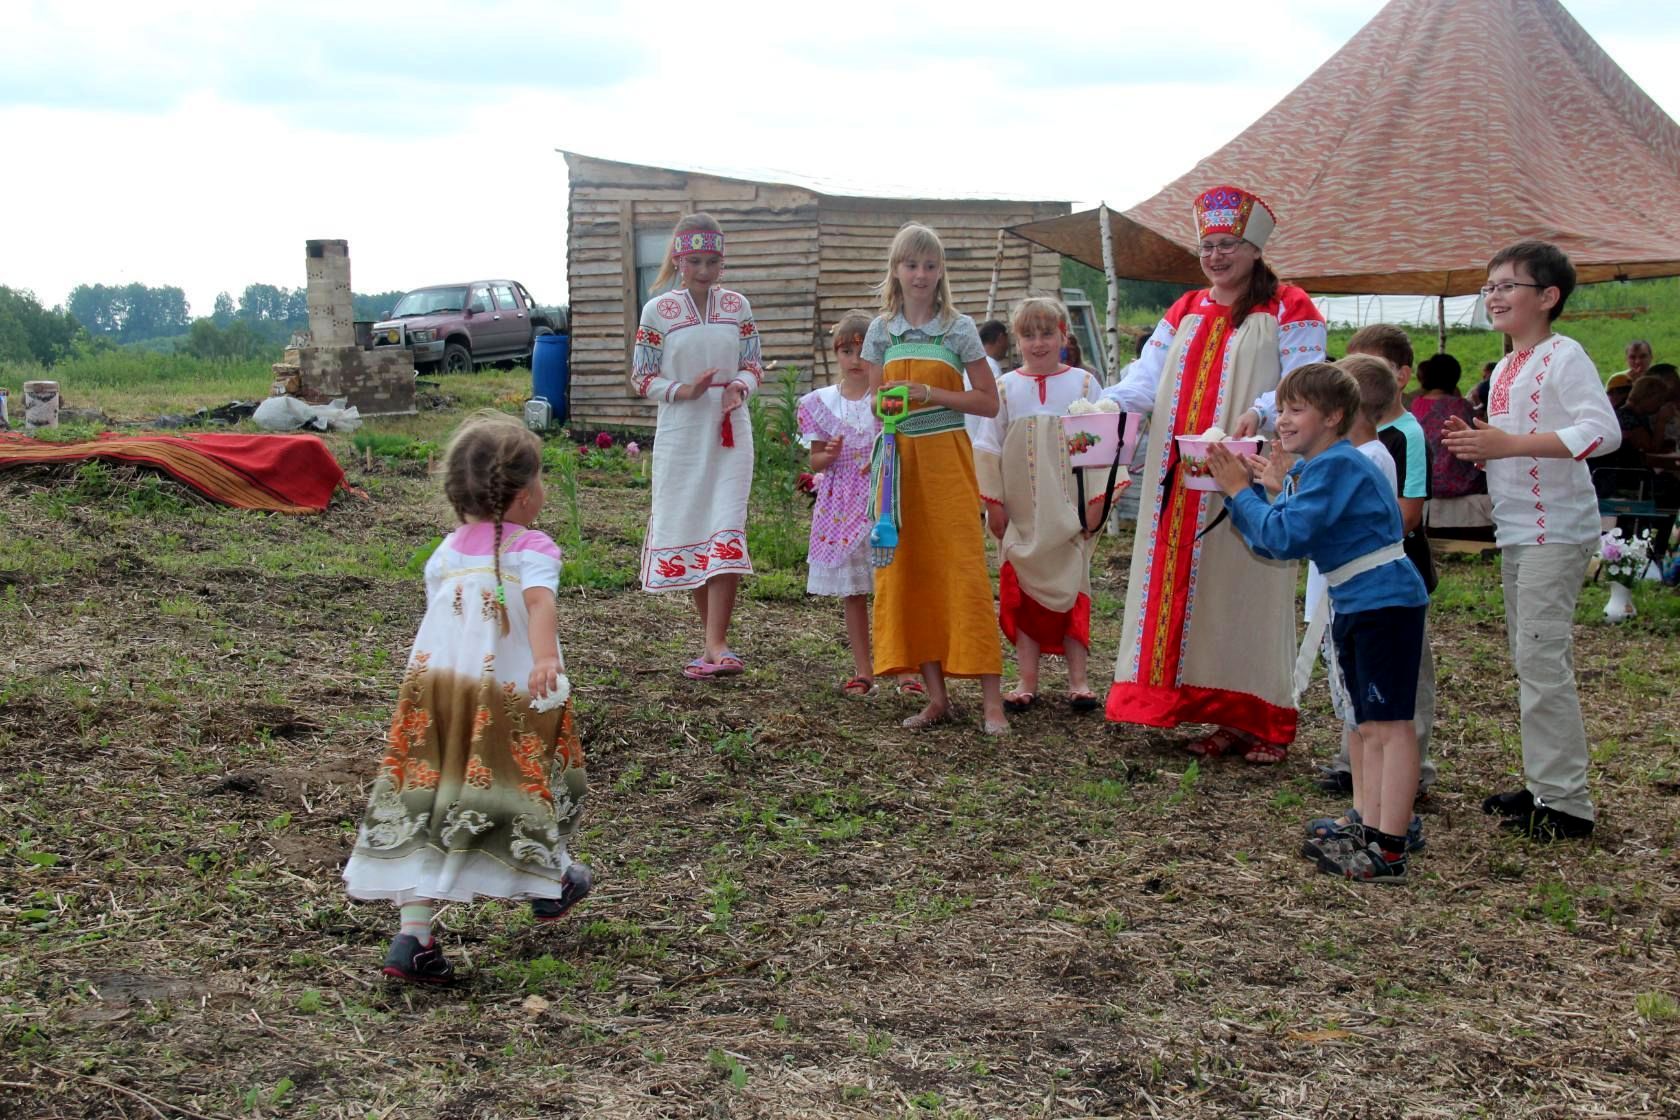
(1405, 311)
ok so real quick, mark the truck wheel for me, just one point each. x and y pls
(457, 359)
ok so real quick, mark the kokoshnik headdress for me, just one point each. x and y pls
(696, 241)
(1234, 211)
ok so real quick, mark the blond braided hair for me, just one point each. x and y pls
(490, 459)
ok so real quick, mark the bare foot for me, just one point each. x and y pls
(929, 716)
(998, 726)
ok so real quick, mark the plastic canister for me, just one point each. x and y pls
(551, 373)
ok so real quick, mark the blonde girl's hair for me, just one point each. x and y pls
(1379, 387)
(668, 267)
(852, 328)
(489, 460)
(915, 240)
(1038, 313)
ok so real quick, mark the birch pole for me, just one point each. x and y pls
(1112, 321)
(1441, 324)
(997, 267)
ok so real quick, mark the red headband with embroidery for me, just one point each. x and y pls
(696, 241)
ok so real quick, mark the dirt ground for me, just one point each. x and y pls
(802, 910)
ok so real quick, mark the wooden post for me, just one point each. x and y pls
(627, 250)
(997, 266)
(1441, 322)
(1112, 331)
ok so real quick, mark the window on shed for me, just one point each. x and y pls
(651, 250)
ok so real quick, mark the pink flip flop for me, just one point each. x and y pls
(702, 670)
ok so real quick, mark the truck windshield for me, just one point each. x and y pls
(429, 301)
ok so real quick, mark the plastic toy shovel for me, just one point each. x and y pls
(883, 470)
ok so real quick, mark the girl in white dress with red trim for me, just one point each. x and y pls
(697, 354)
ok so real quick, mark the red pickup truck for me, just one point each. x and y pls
(453, 327)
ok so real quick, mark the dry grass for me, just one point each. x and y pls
(802, 910)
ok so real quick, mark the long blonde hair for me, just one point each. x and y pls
(668, 268)
(914, 240)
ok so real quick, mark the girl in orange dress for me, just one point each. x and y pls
(933, 602)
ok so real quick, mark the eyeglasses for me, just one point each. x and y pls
(1221, 248)
(1506, 287)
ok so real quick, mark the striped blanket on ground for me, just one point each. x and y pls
(278, 473)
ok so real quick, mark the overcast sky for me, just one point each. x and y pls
(200, 145)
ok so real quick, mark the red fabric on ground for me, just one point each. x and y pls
(279, 473)
(1019, 611)
(1130, 702)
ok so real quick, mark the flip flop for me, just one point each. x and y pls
(699, 670)
(1019, 701)
(1085, 701)
(858, 687)
(910, 686)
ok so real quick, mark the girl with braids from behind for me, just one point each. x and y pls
(482, 781)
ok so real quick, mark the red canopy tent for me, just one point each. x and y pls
(1443, 130)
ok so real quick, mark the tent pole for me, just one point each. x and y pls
(1112, 320)
(1441, 321)
(997, 266)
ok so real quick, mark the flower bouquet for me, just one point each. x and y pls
(1622, 561)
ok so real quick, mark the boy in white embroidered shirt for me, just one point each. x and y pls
(1547, 414)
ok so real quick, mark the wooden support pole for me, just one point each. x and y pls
(1112, 319)
(1441, 323)
(997, 267)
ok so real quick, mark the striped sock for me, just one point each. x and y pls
(417, 921)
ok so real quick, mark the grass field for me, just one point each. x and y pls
(802, 910)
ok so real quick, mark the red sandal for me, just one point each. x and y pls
(858, 687)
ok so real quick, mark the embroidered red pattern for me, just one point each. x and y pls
(1499, 399)
(668, 308)
(730, 302)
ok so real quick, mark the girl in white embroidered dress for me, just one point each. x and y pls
(697, 354)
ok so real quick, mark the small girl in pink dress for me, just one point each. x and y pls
(839, 423)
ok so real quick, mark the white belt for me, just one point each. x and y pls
(1359, 565)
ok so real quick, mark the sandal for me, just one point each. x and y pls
(1019, 700)
(1261, 753)
(701, 670)
(1213, 744)
(910, 686)
(859, 687)
(1083, 700)
(729, 663)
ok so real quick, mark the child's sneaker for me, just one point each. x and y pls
(1366, 865)
(409, 960)
(576, 884)
(1323, 829)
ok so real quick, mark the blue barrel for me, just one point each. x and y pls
(551, 373)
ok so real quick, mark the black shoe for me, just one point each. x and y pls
(1517, 803)
(576, 886)
(409, 960)
(1547, 825)
(1331, 780)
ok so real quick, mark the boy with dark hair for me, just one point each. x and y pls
(1403, 436)
(1341, 513)
(1547, 414)
(994, 340)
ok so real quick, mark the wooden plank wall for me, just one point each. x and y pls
(801, 258)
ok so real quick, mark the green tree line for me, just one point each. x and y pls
(99, 316)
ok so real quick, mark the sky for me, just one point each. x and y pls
(176, 142)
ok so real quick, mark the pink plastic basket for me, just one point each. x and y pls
(1192, 459)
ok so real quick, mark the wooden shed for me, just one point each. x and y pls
(802, 256)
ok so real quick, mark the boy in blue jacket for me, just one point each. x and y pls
(1334, 507)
